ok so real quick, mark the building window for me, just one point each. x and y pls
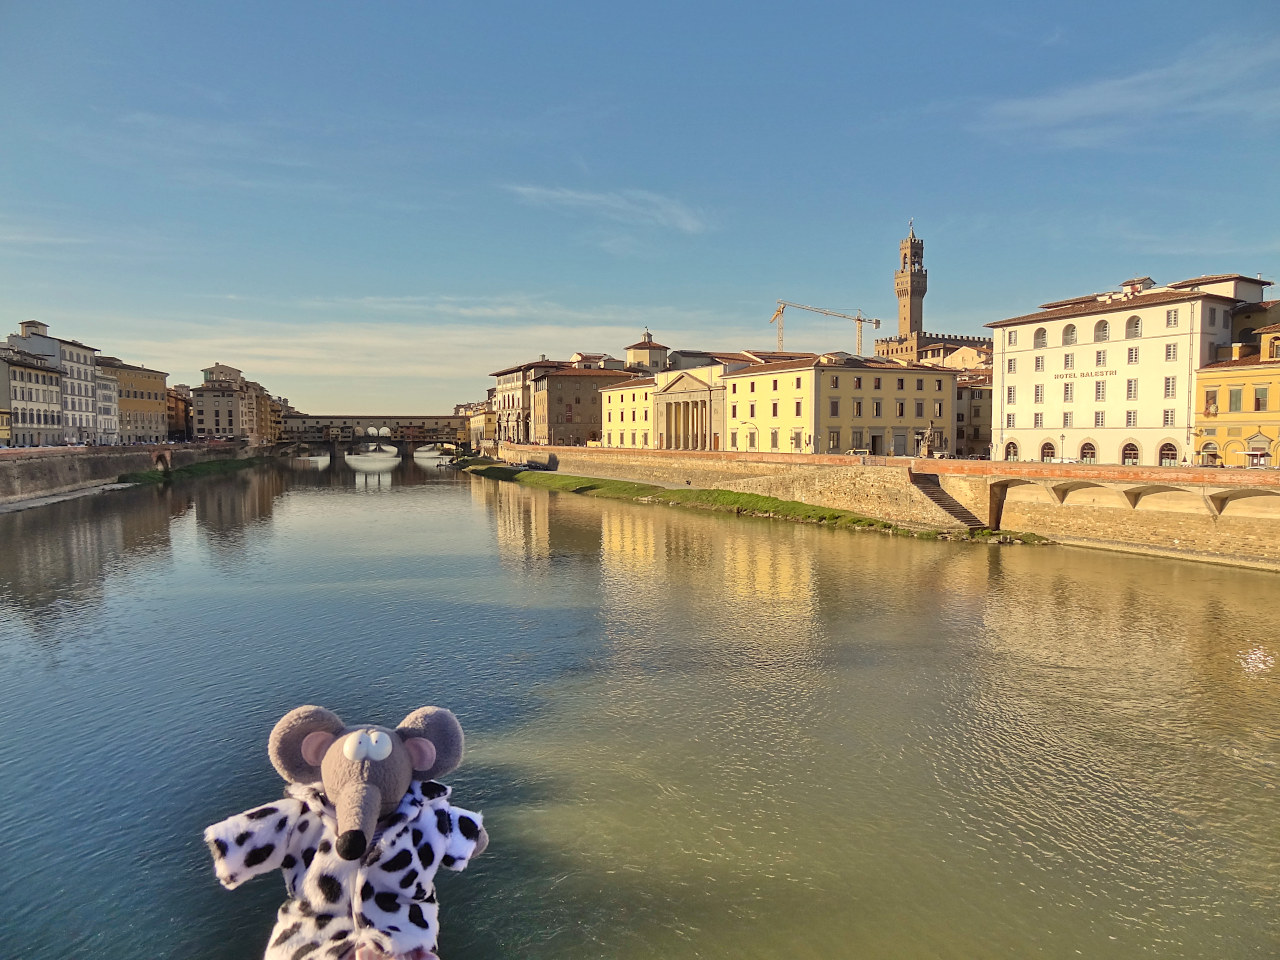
(1131, 389)
(835, 408)
(857, 408)
(733, 411)
(1068, 361)
(919, 409)
(1131, 418)
(875, 408)
(1038, 421)
(1011, 450)
(733, 388)
(797, 383)
(798, 402)
(833, 441)
(1012, 338)
(1100, 358)
(1171, 351)
(1235, 399)
(1039, 393)
(1259, 398)
(1010, 394)
(1132, 355)
(875, 383)
(902, 383)
(857, 383)
(1171, 317)
(919, 385)
(1099, 418)
(1039, 364)
(1009, 421)
(751, 411)
(1170, 387)
(1101, 331)
(1133, 328)
(899, 409)
(1213, 316)
(1039, 339)
(1168, 455)
(775, 384)
(733, 439)
(1046, 452)
(1012, 365)
(1169, 418)
(773, 439)
(1068, 392)
(1100, 390)
(1211, 402)
(775, 408)
(937, 408)
(1068, 419)
(1068, 334)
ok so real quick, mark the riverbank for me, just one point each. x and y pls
(1221, 516)
(730, 501)
(32, 474)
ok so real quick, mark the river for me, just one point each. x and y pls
(692, 735)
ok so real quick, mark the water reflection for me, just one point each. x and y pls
(693, 735)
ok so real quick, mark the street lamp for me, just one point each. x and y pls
(1062, 447)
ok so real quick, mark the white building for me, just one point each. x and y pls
(107, 388)
(79, 383)
(1109, 377)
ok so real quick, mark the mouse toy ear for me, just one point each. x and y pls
(299, 741)
(443, 731)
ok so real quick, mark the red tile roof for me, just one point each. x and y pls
(1119, 305)
(1218, 278)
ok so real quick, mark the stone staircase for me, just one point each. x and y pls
(929, 485)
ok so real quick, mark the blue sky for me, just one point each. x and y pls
(370, 206)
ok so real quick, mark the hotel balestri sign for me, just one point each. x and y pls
(1086, 373)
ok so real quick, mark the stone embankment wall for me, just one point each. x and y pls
(880, 491)
(44, 471)
(1224, 516)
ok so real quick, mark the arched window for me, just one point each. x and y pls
(1209, 454)
(1129, 455)
(1275, 349)
(1011, 451)
(1168, 455)
(1040, 338)
(1101, 331)
(1046, 452)
(1133, 328)
(1068, 334)
(1088, 453)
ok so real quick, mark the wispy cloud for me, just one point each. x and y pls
(1212, 83)
(632, 207)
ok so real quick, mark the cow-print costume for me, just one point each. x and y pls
(384, 899)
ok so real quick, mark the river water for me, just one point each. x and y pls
(692, 735)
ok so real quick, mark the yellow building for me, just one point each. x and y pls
(6, 437)
(627, 408)
(837, 402)
(144, 401)
(1237, 420)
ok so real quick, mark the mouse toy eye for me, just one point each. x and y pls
(379, 745)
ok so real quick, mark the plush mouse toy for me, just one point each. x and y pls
(360, 833)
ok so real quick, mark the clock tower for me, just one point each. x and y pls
(910, 281)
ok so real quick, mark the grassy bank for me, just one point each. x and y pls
(205, 468)
(728, 501)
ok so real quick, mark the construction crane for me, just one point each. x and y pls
(858, 320)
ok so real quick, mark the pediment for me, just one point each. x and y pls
(685, 383)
